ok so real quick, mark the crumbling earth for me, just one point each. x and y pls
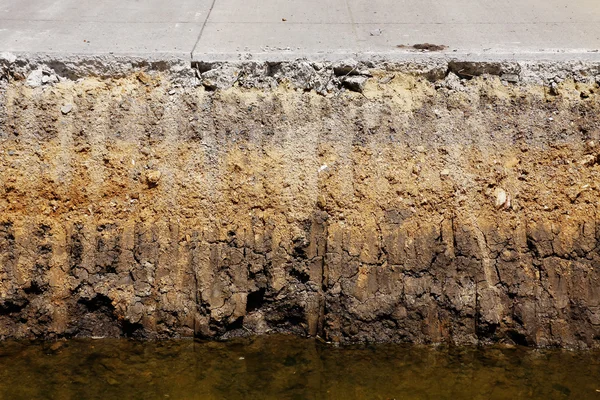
(460, 207)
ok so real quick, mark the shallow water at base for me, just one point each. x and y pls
(284, 367)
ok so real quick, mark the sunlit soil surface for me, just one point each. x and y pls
(284, 367)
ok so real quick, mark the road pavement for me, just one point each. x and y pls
(210, 30)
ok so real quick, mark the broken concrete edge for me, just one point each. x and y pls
(323, 76)
(327, 77)
(18, 66)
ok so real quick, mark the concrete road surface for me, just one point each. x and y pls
(287, 29)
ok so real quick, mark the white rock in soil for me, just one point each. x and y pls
(501, 197)
(66, 109)
(34, 79)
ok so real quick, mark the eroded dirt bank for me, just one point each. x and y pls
(424, 209)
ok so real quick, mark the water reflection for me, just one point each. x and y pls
(282, 367)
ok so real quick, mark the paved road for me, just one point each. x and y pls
(287, 29)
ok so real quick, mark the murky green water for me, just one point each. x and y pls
(280, 367)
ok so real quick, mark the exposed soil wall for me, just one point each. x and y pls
(423, 208)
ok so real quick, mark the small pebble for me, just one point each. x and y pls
(501, 198)
(66, 109)
(152, 177)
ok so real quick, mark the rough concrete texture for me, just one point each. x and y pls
(441, 202)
